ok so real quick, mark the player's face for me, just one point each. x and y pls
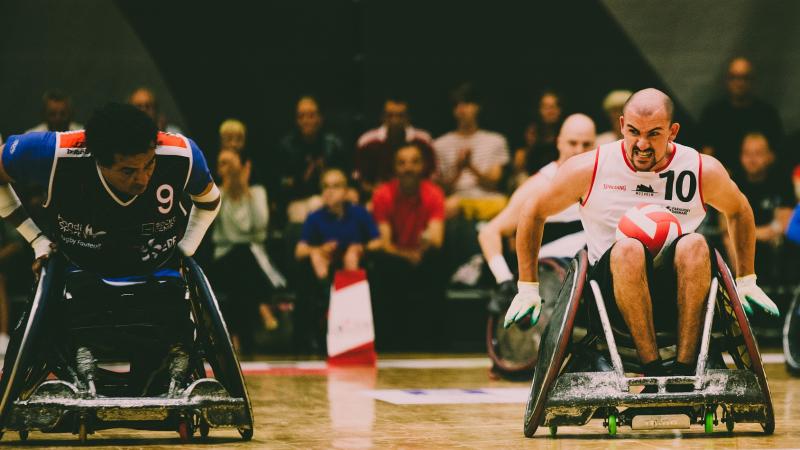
(756, 155)
(574, 142)
(647, 138)
(334, 189)
(130, 174)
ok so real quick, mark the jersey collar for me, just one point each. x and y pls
(111, 191)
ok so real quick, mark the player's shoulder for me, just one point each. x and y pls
(173, 144)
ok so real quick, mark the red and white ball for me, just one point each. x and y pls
(652, 225)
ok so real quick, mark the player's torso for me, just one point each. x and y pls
(103, 233)
(617, 187)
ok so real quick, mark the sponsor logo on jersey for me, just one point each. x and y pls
(645, 190)
(78, 230)
(77, 152)
(149, 229)
(614, 187)
(676, 210)
(151, 250)
(13, 146)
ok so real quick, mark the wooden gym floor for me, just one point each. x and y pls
(306, 405)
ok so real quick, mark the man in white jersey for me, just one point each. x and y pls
(646, 166)
(564, 233)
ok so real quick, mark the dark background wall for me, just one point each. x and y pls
(209, 61)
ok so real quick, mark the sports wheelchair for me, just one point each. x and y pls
(41, 389)
(570, 388)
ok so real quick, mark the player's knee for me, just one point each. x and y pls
(628, 254)
(692, 250)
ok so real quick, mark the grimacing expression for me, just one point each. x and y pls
(130, 174)
(408, 162)
(309, 119)
(334, 189)
(647, 137)
(756, 155)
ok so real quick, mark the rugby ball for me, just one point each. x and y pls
(652, 225)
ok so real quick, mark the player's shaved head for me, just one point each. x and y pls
(649, 102)
(577, 123)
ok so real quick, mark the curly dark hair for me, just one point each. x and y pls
(119, 129)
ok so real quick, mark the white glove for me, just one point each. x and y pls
(42, 247)
(527, 301)
(750, 294)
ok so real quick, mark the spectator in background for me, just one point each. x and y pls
(302, 156)
(57, 110)
(335, 236)
(243, 272)
(409, 210)
(540, 138)
(375, 150)
(770, 193)
(612, 105)
(725, 121)
(471, 162)
(232, 135)
(145, 99)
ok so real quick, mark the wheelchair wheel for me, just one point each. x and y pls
(742, 344)
(791, 336)
(555, 342)
(514, 351)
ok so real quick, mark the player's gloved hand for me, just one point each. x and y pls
(527, 303)
(42, 248)
(501, 297)
(750, 294)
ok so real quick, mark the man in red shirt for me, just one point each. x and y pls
(407, 281)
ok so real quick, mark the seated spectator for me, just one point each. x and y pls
(769, 190)
(612, 105)
(302, 156)
(243, 272)
(333, 237)
(145, 99)
(407, 286)
(375, 151)
(725, 121)
(57, 110)
(540, 139)
(232, 135)
(471, 162)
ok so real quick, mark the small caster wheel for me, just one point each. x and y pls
(729, 424)
(612, 424)
(246, 433)
(553, 430)
(185, 430)
(709, 422)
(204, 429)
(83, 435)
(23, 435)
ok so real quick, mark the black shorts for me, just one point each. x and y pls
(662, 282)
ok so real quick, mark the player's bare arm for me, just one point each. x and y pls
(722, 193)
(570, 184)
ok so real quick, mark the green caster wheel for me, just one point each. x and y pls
(612, 424)
(710, 421)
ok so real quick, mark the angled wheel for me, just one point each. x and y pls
(743, 347)
(246, 433)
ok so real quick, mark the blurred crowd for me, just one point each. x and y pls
(407, 207)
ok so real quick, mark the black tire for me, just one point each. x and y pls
(791, 336)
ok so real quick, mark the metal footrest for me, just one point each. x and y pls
(53, 401)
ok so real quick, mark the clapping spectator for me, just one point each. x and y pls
(243, 271)
(471, 162)
(57, 111)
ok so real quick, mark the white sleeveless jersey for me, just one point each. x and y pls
(570, 214)
(617, 186)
